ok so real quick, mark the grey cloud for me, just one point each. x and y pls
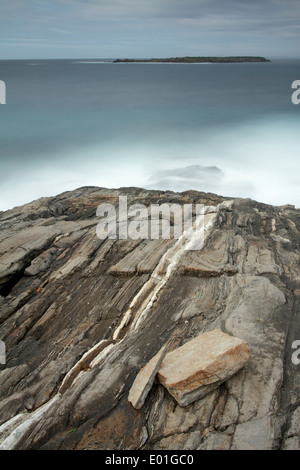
(209, 14)
(171, 9)
(159, 8)
(273, 17)
(142, 27)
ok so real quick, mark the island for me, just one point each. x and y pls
(194, 60)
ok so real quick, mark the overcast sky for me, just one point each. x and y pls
(148, 28)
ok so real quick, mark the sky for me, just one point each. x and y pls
(33, 29)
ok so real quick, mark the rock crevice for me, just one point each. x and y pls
(81, 317)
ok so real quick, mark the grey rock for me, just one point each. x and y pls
(202, 364)
(80, 318)
(145, 378)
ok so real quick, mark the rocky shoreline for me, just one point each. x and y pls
(80, 317)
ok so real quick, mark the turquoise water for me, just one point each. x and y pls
(226, 128)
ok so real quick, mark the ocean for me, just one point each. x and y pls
(230, 129)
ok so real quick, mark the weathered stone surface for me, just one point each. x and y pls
(41, 263)
(145, 378)
(9, 378)
(76, 334)
(202, 364)
(143, 259)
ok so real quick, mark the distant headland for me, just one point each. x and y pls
(193, 60)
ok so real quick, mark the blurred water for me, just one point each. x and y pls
(226, 128)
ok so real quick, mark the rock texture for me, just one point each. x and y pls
(201, 365)
(80, 317)
(145, 379)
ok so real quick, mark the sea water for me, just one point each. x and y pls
(231, 129)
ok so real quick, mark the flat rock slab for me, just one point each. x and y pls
(145, 378)
(201, 365)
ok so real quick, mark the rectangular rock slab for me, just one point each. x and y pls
(145, 378)
(201, 365)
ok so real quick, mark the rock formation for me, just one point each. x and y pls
(80, 318)
(201, 365)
